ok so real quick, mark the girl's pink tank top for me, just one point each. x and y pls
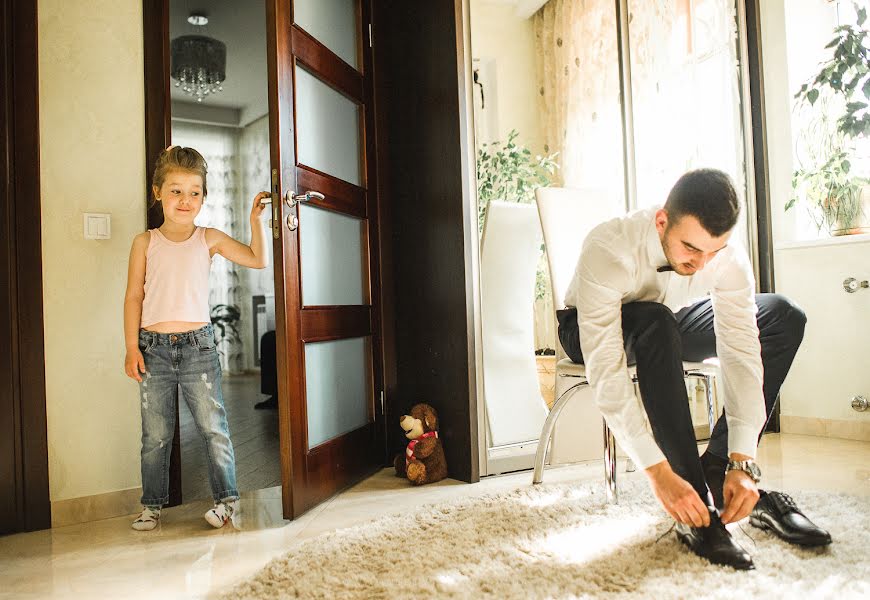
(176, 279)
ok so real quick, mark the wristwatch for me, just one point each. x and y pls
(750, 467)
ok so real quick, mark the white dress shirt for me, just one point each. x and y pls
(618, 264)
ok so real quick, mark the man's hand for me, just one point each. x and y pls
(678, 498)
(740, 493)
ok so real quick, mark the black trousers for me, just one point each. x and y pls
(268, 364)
(658, 341)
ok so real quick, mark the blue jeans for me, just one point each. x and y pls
(189, 360)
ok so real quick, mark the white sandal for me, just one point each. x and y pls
(147, 519)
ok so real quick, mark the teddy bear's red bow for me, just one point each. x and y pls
(409, 453)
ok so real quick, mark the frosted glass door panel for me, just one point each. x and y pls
(337, 388)
(332, 258)
(333, 23)
(328, 129)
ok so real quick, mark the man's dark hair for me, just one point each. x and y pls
(709, 196)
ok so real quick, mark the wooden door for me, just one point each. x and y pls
(324, 228)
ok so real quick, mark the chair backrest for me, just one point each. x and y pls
(567, 216)
(509, 252)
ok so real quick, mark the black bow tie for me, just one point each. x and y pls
(665, 268)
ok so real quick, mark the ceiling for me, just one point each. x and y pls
(241, 25)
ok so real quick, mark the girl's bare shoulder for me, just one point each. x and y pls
(214, 236)
(141, 241)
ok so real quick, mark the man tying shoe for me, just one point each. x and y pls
(640, 295)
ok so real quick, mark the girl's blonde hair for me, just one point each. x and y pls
(177, 158)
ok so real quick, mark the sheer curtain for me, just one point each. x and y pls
(219, 147)
(685, 84)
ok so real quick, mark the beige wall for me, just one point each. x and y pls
(92, 160)
(497, 33)
(831, 365)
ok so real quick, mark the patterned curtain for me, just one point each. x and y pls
(578, 87)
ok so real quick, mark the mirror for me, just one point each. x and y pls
(547, 78)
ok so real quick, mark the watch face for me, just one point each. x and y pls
(754, 470)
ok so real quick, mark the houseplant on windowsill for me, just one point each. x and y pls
(834, 105)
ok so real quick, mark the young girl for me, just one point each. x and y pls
(168, 332)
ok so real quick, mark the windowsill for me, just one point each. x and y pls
(830, 241)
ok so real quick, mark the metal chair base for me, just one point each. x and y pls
(610, 461)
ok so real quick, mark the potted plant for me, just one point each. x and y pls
(224, 318)
(508, 172)
(835, 106)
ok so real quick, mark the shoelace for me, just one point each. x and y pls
(746, 533)
(670, 529)
(784, 502)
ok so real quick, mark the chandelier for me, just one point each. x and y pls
(198, 63)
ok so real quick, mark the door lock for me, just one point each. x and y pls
(292, 222)
(275, 221)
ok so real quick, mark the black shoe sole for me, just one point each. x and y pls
(759, 524)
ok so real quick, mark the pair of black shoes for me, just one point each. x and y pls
(775, 512)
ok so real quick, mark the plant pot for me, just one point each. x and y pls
(861, 224)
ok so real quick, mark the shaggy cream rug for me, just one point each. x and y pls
(563, 541)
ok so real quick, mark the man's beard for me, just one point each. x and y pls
(679, 268)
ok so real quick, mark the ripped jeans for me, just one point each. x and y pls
(189, 360)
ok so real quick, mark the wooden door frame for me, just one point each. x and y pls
(158, 133)
(22, 370)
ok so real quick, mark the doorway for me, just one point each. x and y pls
(306, 63)
(230, 128)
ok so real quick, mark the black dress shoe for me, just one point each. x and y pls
(714, 474)
(715, 544)
(270, 402)
(776, 512)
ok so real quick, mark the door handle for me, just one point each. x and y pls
(293, 199)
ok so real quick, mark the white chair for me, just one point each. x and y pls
(567, 216)
(509, 251)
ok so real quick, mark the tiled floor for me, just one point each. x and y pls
(185, 558)
(255, 441)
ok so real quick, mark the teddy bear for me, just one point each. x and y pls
(423, 461)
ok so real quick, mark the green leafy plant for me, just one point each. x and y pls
(835, 104)
(224, 318)
(508, 172)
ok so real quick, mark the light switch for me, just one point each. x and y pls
(98, 226)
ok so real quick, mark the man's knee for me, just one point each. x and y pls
(653, 323)
(784, 315)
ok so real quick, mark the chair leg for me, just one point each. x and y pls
(547, 431)
(610, 465)
(709, 382)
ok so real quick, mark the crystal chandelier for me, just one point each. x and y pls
(198, 63)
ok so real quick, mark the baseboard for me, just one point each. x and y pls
(95, 508)
(833, 428)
